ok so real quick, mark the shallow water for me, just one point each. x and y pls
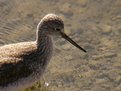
(95, 25)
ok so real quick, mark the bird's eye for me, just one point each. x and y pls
(57, 29)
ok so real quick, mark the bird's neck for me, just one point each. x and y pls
(44, 42)
(44, 48)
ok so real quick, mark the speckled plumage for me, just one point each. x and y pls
(22, 64)
(21, 61)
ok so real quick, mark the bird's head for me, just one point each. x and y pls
(52, 24)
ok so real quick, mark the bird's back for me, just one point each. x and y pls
(16, 50)
(14, 63)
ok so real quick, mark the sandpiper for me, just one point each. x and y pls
(22, 64)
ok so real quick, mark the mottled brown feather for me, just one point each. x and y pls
(12, 61)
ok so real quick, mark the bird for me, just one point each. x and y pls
(23, 64)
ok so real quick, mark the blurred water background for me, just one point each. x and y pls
(93, 24)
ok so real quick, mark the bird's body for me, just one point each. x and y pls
(23, 64)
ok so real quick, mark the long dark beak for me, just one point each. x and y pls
(72, 42)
